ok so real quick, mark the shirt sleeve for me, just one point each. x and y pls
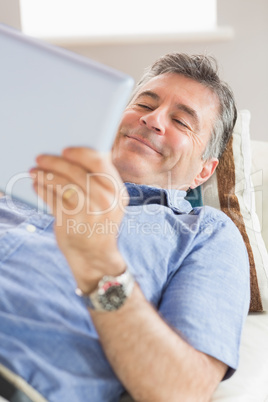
(207, 298)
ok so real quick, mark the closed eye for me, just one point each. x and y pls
(144, 106)
(181, 123)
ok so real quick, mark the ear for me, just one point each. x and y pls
(207, 171)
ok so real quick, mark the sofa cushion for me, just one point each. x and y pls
(231, 190)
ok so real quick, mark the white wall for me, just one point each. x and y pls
(243, 61)
(10, 13)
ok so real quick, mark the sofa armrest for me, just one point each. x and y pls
(259, 176)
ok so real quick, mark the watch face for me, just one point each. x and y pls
(112, 295)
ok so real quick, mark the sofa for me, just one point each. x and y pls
(250, 382)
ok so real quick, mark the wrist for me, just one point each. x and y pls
(89, 270)
(111, 292)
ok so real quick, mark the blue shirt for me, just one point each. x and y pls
(191, 264)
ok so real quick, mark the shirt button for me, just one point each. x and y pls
(31, 228)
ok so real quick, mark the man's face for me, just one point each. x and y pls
(164, 132)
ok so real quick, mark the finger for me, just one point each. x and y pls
(87, 157)
(57, 192)
(101, 167)
(91, 160)
(60, 167)
(98, 174)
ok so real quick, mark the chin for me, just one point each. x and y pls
(131, 171)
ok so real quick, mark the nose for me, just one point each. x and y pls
(154, 121)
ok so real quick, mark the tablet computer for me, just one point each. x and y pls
(50, 99)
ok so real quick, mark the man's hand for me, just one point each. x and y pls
(87, 197)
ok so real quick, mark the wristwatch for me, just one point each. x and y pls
(111, 293)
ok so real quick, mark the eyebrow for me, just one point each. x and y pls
(180, 106)
(191, 112)
(151, 94)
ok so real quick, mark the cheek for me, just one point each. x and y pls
(188, 144)
(185, 154)
(181, 143)
(129, 117)
(125, 123)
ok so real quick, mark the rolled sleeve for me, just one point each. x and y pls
(207, 299)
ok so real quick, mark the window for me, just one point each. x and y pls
(113, 18)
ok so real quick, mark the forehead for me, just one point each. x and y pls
(179, 85)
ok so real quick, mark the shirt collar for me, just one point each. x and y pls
(144, 195)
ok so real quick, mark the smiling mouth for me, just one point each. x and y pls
(144, 142)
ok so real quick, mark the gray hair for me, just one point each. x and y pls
(203, 69)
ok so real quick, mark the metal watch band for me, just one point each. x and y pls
(111, 293)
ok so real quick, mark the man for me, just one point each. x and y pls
(167, 321)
